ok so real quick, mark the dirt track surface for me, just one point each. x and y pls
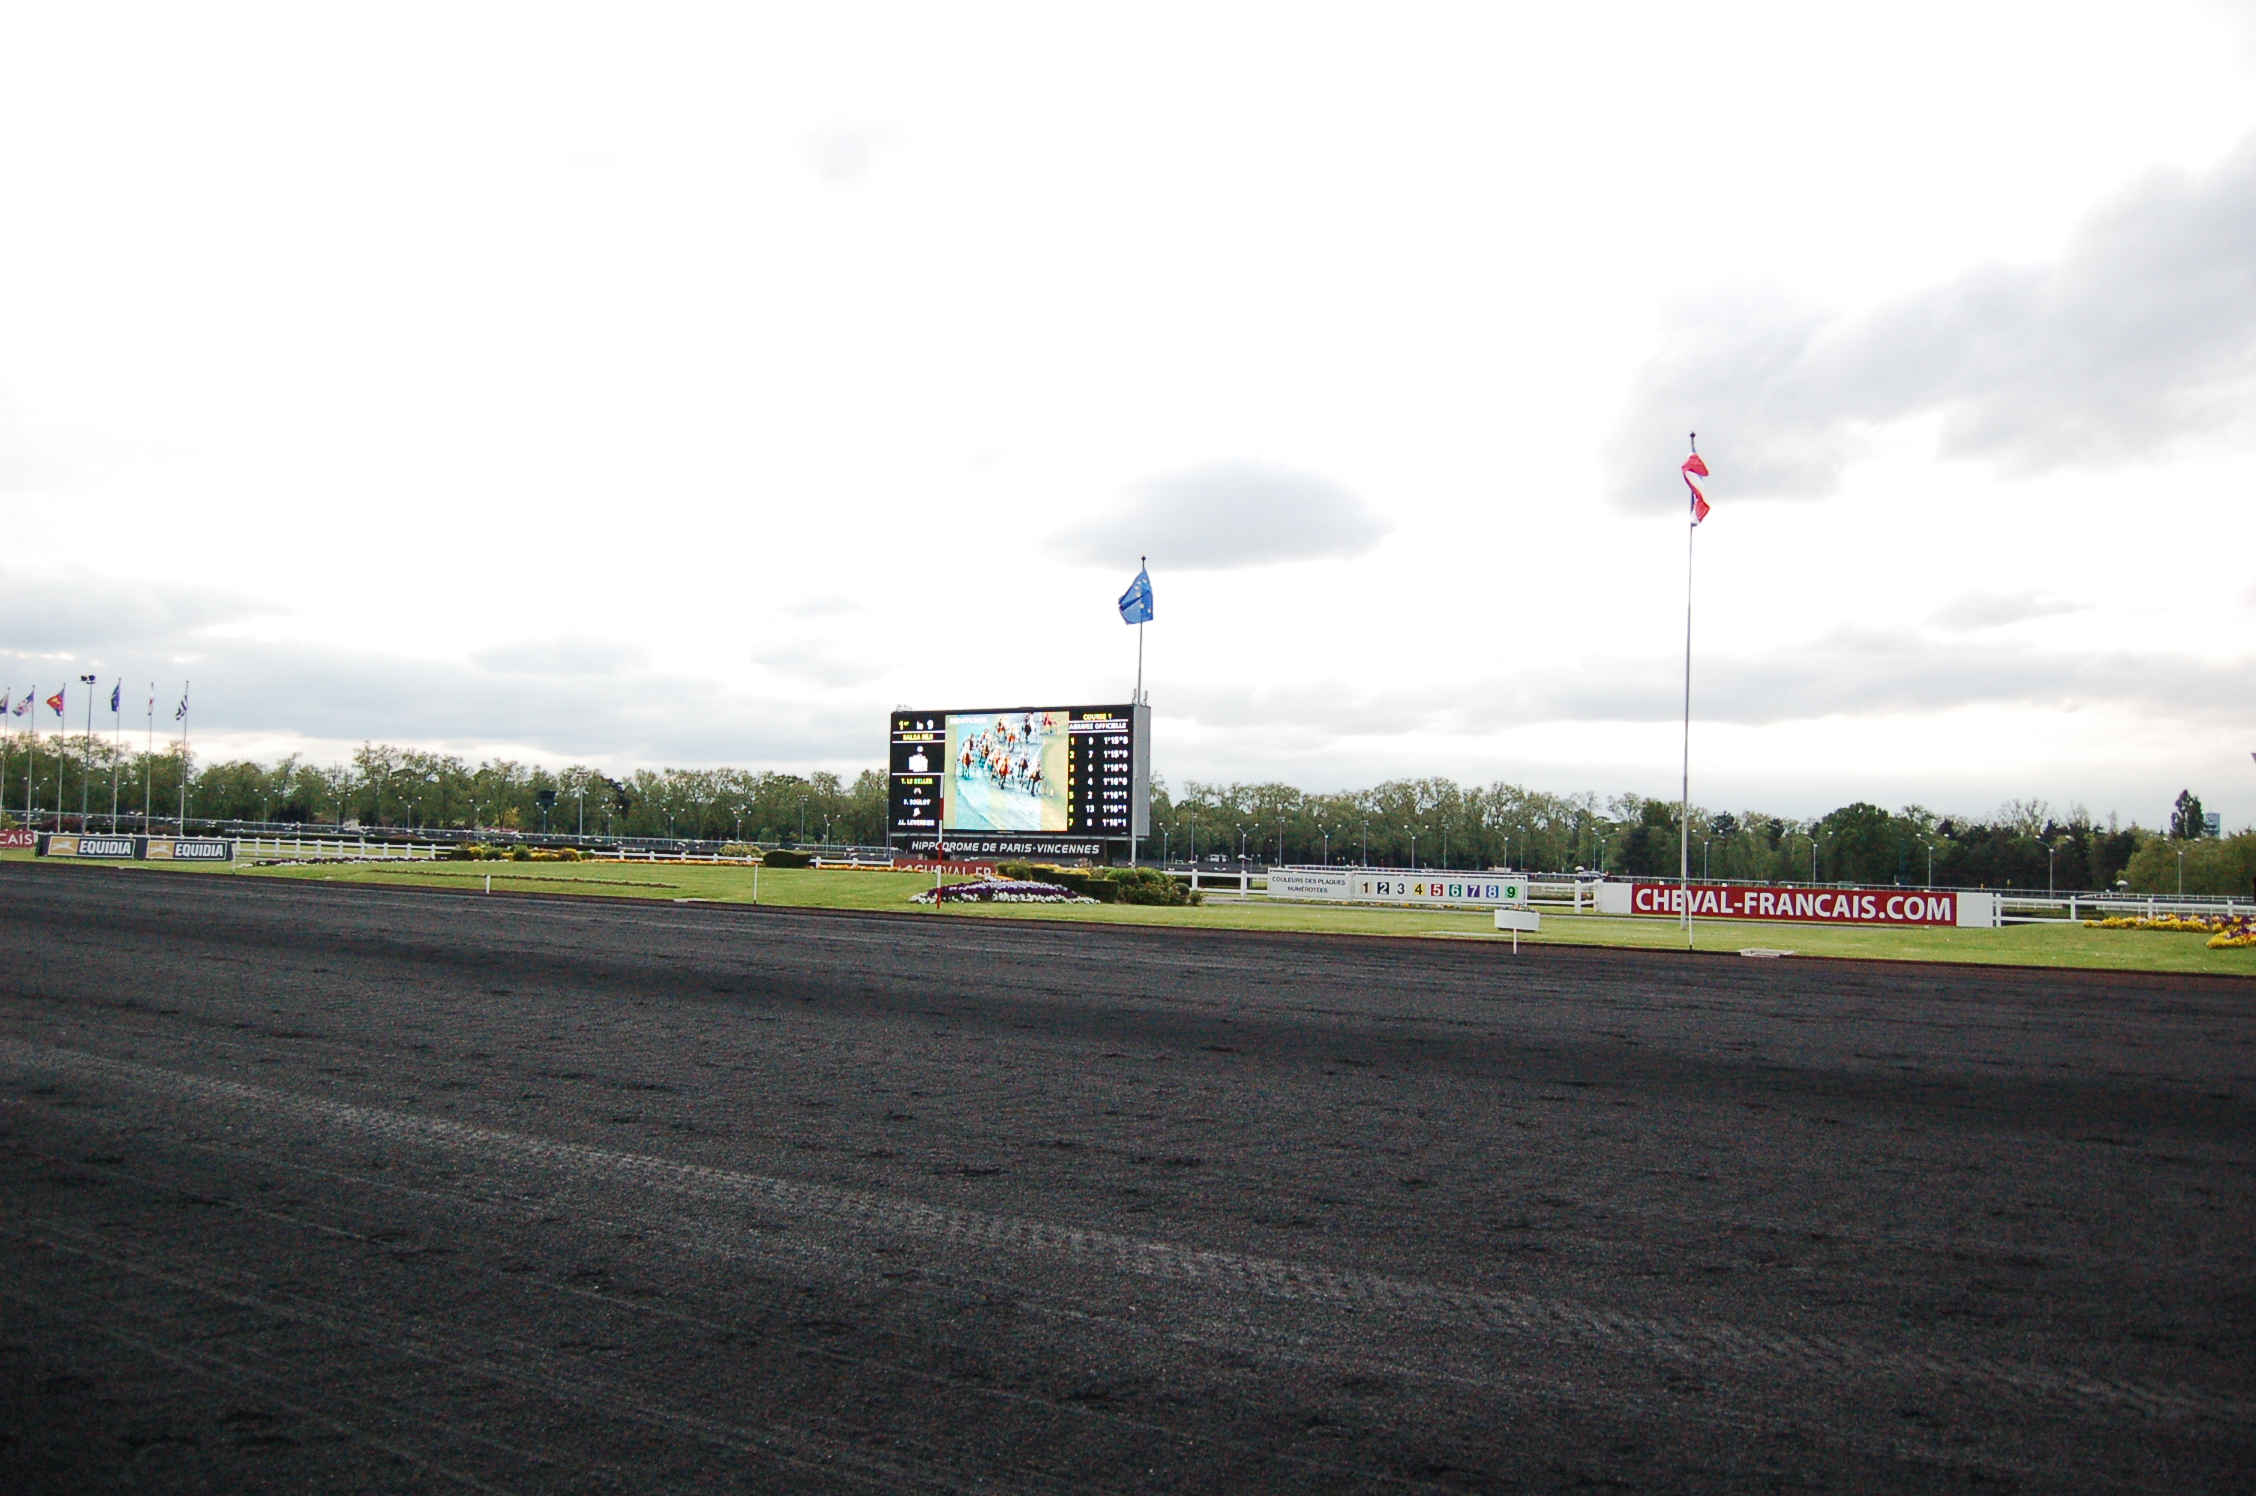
(327, 1189)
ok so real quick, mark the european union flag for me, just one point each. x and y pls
(1136, 602)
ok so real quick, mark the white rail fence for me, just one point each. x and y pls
(1580, 896)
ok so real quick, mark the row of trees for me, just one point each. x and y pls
(385, 786)
(1433, 823)
(1438, 823)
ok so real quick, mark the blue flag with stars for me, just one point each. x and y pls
(1136, 602)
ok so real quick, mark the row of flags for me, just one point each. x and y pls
(117, 695)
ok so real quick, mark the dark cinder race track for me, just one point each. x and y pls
(308, 1188)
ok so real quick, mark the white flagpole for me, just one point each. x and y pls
(184, 756)
(149, 764)
(31, 776)
(1143, 568)
(86, 755)
(1684, 805)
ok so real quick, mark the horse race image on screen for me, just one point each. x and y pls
(1007, 771)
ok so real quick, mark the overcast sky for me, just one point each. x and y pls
(664, 385)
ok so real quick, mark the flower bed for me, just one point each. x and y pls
(1001, 891)
(2233, 932)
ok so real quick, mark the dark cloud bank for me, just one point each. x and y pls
(2142, 334)
(1227, 515)
(566, 698)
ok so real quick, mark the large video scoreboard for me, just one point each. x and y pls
(1003, 781)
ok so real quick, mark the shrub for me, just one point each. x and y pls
(785, 857)
(520, 854)
(1146, 885)
(1106, 885)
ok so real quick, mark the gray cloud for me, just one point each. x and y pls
(29, 460)
(565, 698)
(567, 655)
(1848, 673)
(2143, 333)
(838, 157)
(1227, 515)
(817, 662)
(1989, 610)
(62, 611)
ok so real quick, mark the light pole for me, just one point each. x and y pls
(2181, 872)
(802, 819)
(1413, 847)
(1930, 864)
(1507, 854)
(1327, 845)
(2050, 848)
(1365, 853)
(1705, 842)
(1241, 849)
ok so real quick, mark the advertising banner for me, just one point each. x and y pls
(159, 848)
(20, 839)
(56, 844)
(1851, 906)
(189, 849)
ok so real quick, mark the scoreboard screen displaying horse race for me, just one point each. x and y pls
(1026, 774)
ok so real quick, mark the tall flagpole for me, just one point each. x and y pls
(184, 757)
(31, 779)
(1684, 805)
(1143, 565)
(149, 765)
(86, 755)
(117, 746)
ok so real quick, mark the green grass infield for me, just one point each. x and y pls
(2015, 945)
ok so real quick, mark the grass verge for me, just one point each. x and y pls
(2066, 946)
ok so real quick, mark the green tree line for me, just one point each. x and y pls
(1435, 823)
(1438, 823)
(410, 789)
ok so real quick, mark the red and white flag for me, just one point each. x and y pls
(1694, 466)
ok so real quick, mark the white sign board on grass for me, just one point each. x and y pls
(1359, 886)
(1310, 883)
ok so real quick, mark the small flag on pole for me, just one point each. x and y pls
(25, 704)
(1136, 602)
(180, 712)
(55, 702)
(1694, 466)
(116, 693)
